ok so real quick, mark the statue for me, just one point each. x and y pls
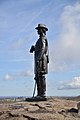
(41, 58)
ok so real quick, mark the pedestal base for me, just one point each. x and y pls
(34, 99)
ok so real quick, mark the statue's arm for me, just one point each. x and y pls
(47, 51)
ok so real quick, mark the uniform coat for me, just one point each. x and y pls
(41, 55)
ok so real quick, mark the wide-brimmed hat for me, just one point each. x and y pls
(42, 26)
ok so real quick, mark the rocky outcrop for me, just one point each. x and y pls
(52, 109)
(78, 106)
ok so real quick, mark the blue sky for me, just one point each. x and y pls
(18, 19)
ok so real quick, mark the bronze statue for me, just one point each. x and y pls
(41, 57)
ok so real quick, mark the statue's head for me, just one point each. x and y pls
(41, 29)
(41, 26)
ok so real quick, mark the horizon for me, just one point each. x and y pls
(31, 96)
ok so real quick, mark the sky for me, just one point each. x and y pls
(18, 19)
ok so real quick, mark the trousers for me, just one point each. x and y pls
(41, 85)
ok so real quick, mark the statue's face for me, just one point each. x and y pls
(40, 31)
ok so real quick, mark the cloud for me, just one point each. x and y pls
(8, 77)
(65, 51)
(18, 44)
(18, 74)
(24, 73)
(72, 84)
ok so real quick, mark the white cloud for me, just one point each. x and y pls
(8, 77)
(24, 73)
(18, 44)
(72, 84)
(65, 51)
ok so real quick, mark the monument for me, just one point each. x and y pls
(41, 60)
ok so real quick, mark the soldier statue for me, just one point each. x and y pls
(41, 58)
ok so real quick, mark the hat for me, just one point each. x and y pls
(42, 26)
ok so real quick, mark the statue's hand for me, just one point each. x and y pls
(32, 49)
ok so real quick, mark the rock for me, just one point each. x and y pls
(78, 106)
(73, 110)
(53, 108)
